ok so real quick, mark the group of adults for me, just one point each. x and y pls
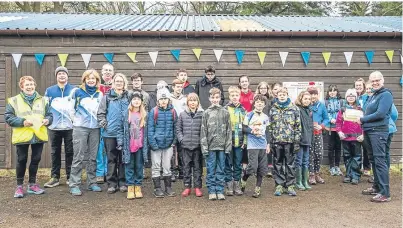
(35, 119)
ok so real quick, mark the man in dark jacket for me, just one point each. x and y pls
(182, 75)
(204, 85)
(375, 124)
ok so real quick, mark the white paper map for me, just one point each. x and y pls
(294, 88)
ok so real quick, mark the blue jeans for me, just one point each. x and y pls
(215, 163)
(134, 169)
(376, 148)
(102, 160)
(302, 160)
(233, 165)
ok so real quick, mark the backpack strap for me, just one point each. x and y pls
(156, 114)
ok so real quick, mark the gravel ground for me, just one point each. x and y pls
(333, 204)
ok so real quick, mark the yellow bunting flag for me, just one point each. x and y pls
(132, 56)
(262, 56)
(63, 59)
(326, 57)
(197, 52)
(389, 53)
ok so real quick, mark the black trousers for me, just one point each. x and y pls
(284, 157)
(192, 159)
(22, 158)
(334, 149)
(56, 138)
(365, 162)
(116, 168)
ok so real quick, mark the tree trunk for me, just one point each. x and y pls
(58, 7)
(36, 7)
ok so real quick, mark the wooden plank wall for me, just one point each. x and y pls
(337, 72)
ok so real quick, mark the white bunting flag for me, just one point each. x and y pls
(153, 56)
(283, 56)
(401, 59)
(17, 58)
(86, 58)
(218, 54)
(349, 56)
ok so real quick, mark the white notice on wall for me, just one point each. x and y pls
(294, 88)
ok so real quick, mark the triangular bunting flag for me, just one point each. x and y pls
(39, 58)
(176, 53)
(401, 59)
(262, 56)
(86, 59)
(349, 56)
(17, 58)
(197, 52)
(326, 57)
(63, 58)
(132, 56)
(283, 56)
(401, 81)
(153, 56)
(218, 54)
(305, 56)
(239, 55)
(370, 56)
(109, 57)
(390, 53)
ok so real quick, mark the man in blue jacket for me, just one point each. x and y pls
(375, 124)
(60, 101)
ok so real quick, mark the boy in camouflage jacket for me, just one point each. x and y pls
(285, 133)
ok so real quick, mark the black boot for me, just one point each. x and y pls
(168, 188)
(157, 188)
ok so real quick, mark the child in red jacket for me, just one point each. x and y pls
(351, 135)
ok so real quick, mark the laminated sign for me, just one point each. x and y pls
(295, 88)
(352, 115)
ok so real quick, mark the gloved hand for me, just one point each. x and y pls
(296, 147)
(360, 138)
(103, 123)
(119, 147)
(341, 135)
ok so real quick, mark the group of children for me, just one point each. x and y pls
(261, 133)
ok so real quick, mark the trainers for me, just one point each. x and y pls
(380, 199)
(67, 182)
(75, 191)
(279, 190)
(256, 194)
(123, 188)
(243, 185)
(186, 192)
(291, 191)
(35, 189)
(354, 182)
(312, 180)
(367, 173)
(270, 172)
(111, 190)
(229, 188)
(237, 189)
(53, 182)
(100, 180)
(346, 180)
(319, 179)
(332, 171)
(94, 188)
(198, 192)
(371, 179)
(19, 192)
(220, 196)
(338, 171)
(369, 191)
(212, 196)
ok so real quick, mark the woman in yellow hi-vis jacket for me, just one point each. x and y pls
(28, 114)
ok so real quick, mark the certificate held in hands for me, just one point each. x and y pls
(352, 115)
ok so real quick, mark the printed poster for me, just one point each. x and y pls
(294, 88)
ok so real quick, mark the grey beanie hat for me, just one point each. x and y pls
(61, 68)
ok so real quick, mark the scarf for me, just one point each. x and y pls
(91, 90)
(283, 104)
(29, 98)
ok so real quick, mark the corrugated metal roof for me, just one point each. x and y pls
(174, 22)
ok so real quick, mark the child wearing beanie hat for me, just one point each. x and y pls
(351, 135)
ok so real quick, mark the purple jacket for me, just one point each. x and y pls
(350, 129)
